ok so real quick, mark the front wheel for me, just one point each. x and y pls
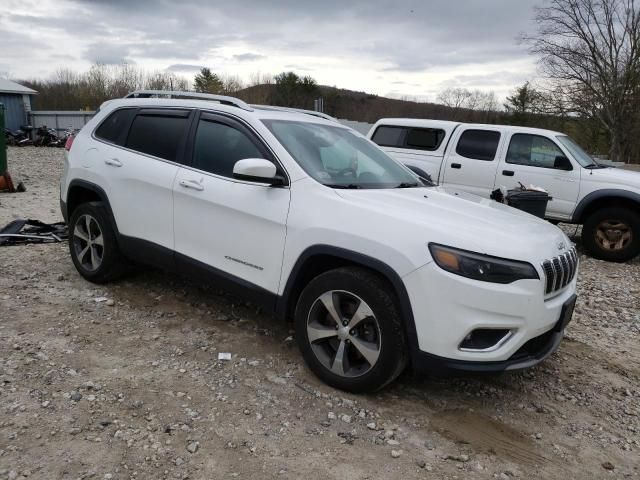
(612, 234)
(349, 330)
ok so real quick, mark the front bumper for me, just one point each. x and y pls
(447, 307)
(531, 353)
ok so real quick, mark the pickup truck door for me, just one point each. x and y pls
(234, 228)
(538, 160)
(470, 162)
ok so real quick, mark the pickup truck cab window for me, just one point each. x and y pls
(428, 139)
(533, 151)
(478, 144)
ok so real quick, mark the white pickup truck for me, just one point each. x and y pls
(480, 158)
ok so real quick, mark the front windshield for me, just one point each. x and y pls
(582, 157)
(338, 158)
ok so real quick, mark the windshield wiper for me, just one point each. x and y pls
(596, 165)
(349, 186)
(407, 185)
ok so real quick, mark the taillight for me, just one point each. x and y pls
(69, 142)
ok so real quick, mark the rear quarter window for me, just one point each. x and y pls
(114, 128)
(478, 144)
(409, 137)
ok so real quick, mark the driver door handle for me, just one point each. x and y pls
(114, 162)
(456, 165)
(508, 173)
(193, 184)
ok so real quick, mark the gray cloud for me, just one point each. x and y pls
(378, 37)
(248, 57)
(184, 67)
(107, 54)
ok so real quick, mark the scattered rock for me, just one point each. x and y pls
(608, 466)
(193, 447)
(345, 418)
(396, 453)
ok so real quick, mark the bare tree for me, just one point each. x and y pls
(231, 84)
(590, 49)
(455, 97)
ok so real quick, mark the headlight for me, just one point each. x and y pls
(481, 267)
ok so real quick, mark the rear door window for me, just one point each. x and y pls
(159, 133)
(114, 128)
(478, 144)
(409, 137)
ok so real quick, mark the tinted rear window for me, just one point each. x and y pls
(409, 137)
(478, 144)
(113, 128)
(157, 135)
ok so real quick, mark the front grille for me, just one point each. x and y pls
(559, 271)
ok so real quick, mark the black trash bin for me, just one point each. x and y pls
(530, 201)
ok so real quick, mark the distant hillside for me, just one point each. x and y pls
(365, 107)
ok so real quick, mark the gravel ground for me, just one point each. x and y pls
(123, 381)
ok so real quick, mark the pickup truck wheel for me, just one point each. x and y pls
(612, 234)
(349, 329)
(92, 244)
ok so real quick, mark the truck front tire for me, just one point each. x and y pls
(612, 234)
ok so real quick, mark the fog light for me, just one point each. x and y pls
(485, 339)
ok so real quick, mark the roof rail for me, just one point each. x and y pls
(223, 99)
(298, 110)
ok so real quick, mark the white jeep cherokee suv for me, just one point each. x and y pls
(316, 223)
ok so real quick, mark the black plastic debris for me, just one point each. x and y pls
(23, 231)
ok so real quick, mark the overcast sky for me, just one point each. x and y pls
(393, 48)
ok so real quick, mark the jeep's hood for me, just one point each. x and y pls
(459, 219)
(613, 176)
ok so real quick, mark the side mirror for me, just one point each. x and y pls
(562, 163)
(257, 170)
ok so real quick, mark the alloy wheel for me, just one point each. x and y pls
(344, 333)
(613, 235)
(88, 242)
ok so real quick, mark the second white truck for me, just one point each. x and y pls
(480, 158)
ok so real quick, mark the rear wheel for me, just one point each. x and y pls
(349, 330)
(93, 245)
(612, 234)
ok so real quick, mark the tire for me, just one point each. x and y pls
(96, 263)
(356, 294)
(612, 234)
